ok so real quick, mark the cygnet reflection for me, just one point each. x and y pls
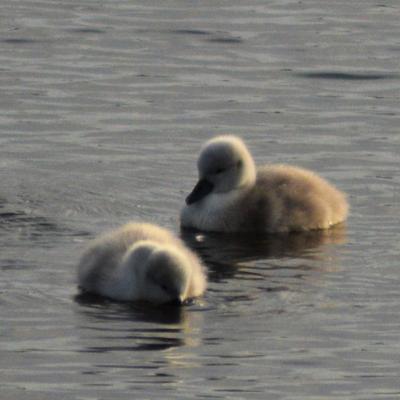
(224, 253)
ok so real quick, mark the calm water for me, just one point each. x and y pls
(104, 105)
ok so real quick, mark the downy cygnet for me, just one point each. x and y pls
(232, 195)
(141, 261)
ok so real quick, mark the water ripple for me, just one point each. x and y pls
(348, 76)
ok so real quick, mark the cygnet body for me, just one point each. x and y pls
(232, 195)
(141, 262)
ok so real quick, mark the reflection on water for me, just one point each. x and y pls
(144, 341)
(224, 252)
(137, 326)
(100, 308)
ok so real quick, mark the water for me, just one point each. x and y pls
(104, 106)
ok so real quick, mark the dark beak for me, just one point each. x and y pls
(176, 302)
(202, 189)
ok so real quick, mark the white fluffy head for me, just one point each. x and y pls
(163, 274)
(224, 164)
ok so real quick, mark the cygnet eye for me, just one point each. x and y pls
(164, 287)
(219, 171)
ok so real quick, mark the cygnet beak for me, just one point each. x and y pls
(178, 301)
(202, 189)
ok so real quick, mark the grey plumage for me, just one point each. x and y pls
(272, 198)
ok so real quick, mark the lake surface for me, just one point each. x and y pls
(103, 108)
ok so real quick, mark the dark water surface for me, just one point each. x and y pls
(104, 105)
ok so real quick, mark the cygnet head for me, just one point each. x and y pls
(224, 164)
(164, 273)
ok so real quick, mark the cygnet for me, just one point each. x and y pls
(232, 195)
(141, 261)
